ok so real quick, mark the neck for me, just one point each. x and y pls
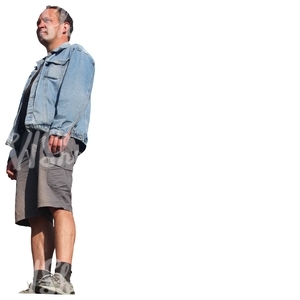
(51, 46)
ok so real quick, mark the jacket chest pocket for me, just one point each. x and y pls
(56, 69)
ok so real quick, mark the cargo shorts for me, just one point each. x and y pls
(43, 180)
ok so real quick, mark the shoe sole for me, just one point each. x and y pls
(49, 291)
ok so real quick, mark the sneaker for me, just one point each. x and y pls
(44, 285)
(29, 290)
(39, 287)
(54, 284)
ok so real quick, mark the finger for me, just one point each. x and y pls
(10, 172)
(58, 145)
(53, 144)
(50, 142)
(10, 168)
(65, 141)
(11, 175)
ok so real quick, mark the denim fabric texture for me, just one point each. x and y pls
(60, 97)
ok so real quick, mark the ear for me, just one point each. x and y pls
(66, 27)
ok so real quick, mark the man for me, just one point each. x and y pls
(48, 134)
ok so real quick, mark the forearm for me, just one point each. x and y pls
(75, 93)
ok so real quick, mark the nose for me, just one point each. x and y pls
(41, 24)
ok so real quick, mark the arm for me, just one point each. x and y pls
(74, 96)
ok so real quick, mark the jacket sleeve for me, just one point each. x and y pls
(75, 92)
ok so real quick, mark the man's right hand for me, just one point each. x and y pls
(11, 171)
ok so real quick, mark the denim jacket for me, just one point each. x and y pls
(60, 97)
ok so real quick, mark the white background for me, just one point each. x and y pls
(189, 187)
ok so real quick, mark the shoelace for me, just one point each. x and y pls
(45, 280)
(56, 279)
(28, 289)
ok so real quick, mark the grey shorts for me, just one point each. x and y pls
(43, 180)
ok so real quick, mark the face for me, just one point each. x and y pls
(48, 27)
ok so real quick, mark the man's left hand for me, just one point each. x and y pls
(57, 144)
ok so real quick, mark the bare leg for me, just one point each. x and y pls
(64, 234)
(42, 243)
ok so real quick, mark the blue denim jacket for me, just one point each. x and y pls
(60, 97)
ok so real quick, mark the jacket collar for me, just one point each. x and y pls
(56, 50)
(60, 47)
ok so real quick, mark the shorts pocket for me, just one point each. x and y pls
(60, 172)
